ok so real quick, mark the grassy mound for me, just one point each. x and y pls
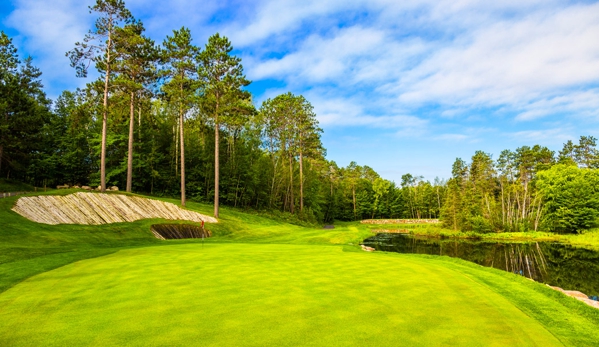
(258, 281)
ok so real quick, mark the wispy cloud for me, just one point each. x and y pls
(553, 136)
(47, 30)
(510, 62)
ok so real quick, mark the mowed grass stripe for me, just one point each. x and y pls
(259, 294)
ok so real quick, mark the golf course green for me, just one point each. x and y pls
(261, 282)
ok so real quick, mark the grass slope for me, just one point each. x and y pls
(279, 295)
(29, 248)
(8, 185)
(261, 282)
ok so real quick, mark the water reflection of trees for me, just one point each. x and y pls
(551, 263)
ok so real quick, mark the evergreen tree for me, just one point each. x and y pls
(137, 68)
(181, 72)
(222, 97)
(98, 47)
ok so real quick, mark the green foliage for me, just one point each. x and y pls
(571, 198)
(8, 185)
(479, 224)
(97, 46)
(24, 112)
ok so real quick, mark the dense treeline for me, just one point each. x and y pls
(175, 119)
(530, 188)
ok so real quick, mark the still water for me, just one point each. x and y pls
(547, 262)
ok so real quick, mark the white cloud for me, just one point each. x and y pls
(510, 62)
(50, 26)
(545, 136)
(577, 104)
(278, 17)
(512, 55)
(347, 113)
(320, 59)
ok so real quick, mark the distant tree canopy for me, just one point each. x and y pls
(527, 189)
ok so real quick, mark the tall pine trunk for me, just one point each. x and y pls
(353, 193)
(292, 201)
(130, 154)
(104, 126)
(301, 167)
(182, 142)
(524, 198)
(2, 141)
(216, 162)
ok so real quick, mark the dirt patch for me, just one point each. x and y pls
(98, 208)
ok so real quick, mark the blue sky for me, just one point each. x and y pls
(400, 86)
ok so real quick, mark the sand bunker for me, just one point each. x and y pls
(97, 208)
(179, 231)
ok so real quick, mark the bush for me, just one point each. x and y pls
(480, 224)
(571, 197)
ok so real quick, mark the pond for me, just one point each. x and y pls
(552, 263)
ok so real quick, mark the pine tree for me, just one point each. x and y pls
(179, 56)
(137, 68)
(98, 47)
(9, 62)
(222, 75)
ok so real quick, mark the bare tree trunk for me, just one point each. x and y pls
(130, 154)
(274, 179)
(182, 153)
(216, 162)
(139, 122)
(177, 136)
(353, 192)
(292, 202)
(301, 167)
(237, 191)
(502, 205)
(286, 199)
(524, 198)
(438, 203)
(2, 146)
(105, 121)
(274, 173)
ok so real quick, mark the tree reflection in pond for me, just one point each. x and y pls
(547, 262)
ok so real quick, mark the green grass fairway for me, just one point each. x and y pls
(260, 282)
(262, 295)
